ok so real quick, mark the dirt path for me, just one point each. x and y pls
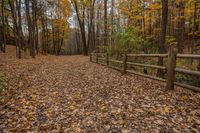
(70, 94)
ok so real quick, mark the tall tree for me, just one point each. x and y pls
(181, 26)
(105, 22)
(19, 26)
(13, 4)
(34, 21)
(28, 17)
(163, 34)
(112, 19)
(81, 20)
(91, 24)
(3, 46)
(194, 27)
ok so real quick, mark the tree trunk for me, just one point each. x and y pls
(29, 21)
(3, 47)
(98, 28)
(181, 27)
(163, 34)
(105, 23)
(194, 28)
(82, 26)
(90, 25)
(12, 4)
(112, 20)
(19, 28)
(34, 27)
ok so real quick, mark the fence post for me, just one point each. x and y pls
(97, 60)
(124, 62)
(171, 65)
(198, 69)
(107, 59)
(90, 57)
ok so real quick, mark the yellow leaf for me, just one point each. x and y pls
(87, 113)
(20, 84)
(72, 108)
(189, 119)
(184, 97)
(103, 107)
(166, 109)
(125, 131)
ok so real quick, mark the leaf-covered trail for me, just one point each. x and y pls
(71, 94)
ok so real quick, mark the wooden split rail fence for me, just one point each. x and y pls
(170, 68)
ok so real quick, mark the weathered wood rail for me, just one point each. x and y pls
(170, 68)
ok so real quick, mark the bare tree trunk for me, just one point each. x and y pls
(37, 34)
(43, 35)
(98, 28)
(61, 42)
(105, 23)
(47, 48)
(29, 21)
(12, 4)
(143, 20)
(82, 26)
(181, 27)
(90, 25)
(150, 24)
(194, 28)
(3, 47)
(34, 27)
(53, 34)
(19, 28)
(112, 20)
(163, 34)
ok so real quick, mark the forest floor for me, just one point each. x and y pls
(71, 94)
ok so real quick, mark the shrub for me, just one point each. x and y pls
(128, 40)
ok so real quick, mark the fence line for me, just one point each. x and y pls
(170, 68)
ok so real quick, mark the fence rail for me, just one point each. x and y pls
(189, 56)
(148, 55)
(147, 65)
(170, 68)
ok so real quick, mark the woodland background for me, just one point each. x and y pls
(74, 27)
